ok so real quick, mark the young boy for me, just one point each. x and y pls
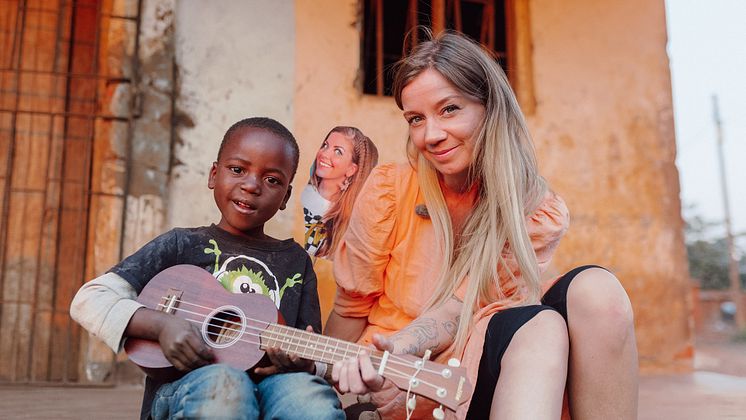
(251, 178)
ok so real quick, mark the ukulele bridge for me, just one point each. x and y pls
(170, 302)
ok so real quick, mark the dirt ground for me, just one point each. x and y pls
(716, 390)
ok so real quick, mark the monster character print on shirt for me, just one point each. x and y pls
(245, 274)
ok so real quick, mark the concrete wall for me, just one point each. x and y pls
(234, 59)
(605, 138)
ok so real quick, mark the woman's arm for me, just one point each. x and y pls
(434, 330)
(345, 328)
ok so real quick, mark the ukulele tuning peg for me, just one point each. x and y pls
(411, 403)
(438, 413)
(454, 362)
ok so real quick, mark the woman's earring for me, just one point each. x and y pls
(345, 184)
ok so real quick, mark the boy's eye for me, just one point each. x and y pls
(274, 181)
(235, 169)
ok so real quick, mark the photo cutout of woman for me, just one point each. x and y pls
(344, 161)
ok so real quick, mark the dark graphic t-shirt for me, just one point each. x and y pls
(281, 270)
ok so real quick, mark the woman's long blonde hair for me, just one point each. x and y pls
(504, 168)
(336, 219)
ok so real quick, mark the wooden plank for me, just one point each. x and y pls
(19, 274)
(21, 152)
(22, 348)
(31, 152)
(39, 40)
(31, 228)
(7, 33)
(47, 259)
(7, 324)
(6, 130)
(69, 272)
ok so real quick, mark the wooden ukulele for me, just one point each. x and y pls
(239, 327)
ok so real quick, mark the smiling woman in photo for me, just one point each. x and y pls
(344, 161)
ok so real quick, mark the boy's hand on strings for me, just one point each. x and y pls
(283, 362)
(182, 344)
(357, 374)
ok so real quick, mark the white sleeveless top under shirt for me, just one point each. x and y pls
(314, 208)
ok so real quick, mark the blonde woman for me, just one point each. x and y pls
(344, 161)
(447, 254)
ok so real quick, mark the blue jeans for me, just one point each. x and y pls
(222, 392)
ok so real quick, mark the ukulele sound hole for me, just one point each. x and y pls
(224, 326)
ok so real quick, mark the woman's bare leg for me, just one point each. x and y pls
(533, 371)
(603, 352)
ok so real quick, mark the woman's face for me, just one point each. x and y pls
(334, 158)
(443, 124)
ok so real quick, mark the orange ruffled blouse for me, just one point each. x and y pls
(387, 263)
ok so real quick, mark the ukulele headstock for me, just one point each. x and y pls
(445, 384)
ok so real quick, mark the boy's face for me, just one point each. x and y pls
(251, 180)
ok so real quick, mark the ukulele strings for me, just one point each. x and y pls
(300, 341)
(393, 359)
(391, 372)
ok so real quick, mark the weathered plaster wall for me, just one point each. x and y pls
(150, 145)
(604, 132)
(603, 128)
(235, 59)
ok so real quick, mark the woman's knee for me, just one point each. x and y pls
(543, 338)
(599, 303)
(548, 327)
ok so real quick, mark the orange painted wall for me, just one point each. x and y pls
(603, 127)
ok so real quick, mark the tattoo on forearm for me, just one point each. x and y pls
(425, 334)
(451, 327)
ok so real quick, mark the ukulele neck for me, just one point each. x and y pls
(312, 346)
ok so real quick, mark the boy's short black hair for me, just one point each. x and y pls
(270, 125)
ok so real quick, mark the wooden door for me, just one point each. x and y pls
(49, 108)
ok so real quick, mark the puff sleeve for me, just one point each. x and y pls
(546, 226)
(364, 252)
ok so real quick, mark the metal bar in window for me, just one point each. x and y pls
(411, 23)
(488, 25)
(439, 15)
(379, 47)
(457, 22)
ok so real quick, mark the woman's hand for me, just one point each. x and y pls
(357, 374)
(283, 362)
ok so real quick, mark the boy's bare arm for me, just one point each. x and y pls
(106, 308)
(180, 340)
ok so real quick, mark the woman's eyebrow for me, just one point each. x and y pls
(447, 99)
